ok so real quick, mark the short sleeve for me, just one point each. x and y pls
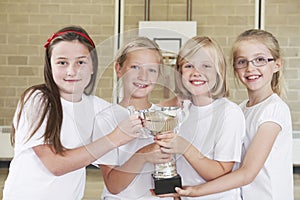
(29, 119)
(276, 112)
(105, 122)
(229, 144)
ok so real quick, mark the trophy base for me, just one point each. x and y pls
(166, 185)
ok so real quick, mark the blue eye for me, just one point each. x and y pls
(260, 60)
(207, 66)
(241, 61)
(135, 67)
(153, 70)
(188, 66)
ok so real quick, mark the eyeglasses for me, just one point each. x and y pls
(257, 62)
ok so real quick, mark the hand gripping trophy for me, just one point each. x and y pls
(165, 175)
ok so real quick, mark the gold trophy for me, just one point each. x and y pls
(165, 175)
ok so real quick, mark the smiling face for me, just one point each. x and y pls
(71, 68)
(139, 73)
(199, 75)
(256, 78)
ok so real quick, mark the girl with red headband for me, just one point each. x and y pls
(53, 125)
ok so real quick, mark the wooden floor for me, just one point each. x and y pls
(94, 183)
(93, 188)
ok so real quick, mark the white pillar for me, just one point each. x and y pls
(259, 22)
(118, 41)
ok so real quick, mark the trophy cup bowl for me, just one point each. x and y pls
(165, 175)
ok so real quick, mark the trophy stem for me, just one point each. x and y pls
(165, 175)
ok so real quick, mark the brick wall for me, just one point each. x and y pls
(283, 20)
(25, 25)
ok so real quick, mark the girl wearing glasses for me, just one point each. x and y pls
(266, 171)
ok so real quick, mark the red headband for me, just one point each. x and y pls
(54, 35)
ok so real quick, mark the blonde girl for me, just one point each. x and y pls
(127, 171)
(210, 139)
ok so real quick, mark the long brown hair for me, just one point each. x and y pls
(48, 93)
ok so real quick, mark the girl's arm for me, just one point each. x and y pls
(73, 159)
(254, 160)
(207, 168)
(118, 178)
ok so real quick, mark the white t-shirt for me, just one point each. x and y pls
(28, 178)
(217, 131)
(106, 121)
(140, 187)
(275, 180)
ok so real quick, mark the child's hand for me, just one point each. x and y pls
(187, 191)
(152, 153)
(129, 128)
(171, 143)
